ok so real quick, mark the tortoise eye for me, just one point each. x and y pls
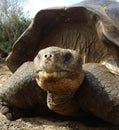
(67, 58)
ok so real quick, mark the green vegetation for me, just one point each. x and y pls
(13, 22)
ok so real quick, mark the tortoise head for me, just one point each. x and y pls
(58, 70)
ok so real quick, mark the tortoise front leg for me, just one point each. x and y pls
(99, 93)
(21, 96)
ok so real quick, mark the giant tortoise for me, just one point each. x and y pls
(86, 33)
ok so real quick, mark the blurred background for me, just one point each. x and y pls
(16, 15)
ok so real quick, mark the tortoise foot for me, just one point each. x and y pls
(11, 113)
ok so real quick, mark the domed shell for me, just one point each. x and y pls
(100, 18)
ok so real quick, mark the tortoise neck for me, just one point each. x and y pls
(62, 103)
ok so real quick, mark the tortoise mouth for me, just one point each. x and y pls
(58, 81)
(51, 74)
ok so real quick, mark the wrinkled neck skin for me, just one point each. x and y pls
(63, 104)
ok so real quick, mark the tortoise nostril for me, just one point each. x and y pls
(45, 56)
(48, 55)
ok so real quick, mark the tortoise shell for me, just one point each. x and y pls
(65, 27)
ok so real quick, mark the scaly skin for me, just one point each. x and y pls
(56, 74)
(98, 94)
(64, 87)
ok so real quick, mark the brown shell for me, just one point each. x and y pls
(98, 17)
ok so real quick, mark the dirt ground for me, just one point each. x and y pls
(41, 123)
(4, 72)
